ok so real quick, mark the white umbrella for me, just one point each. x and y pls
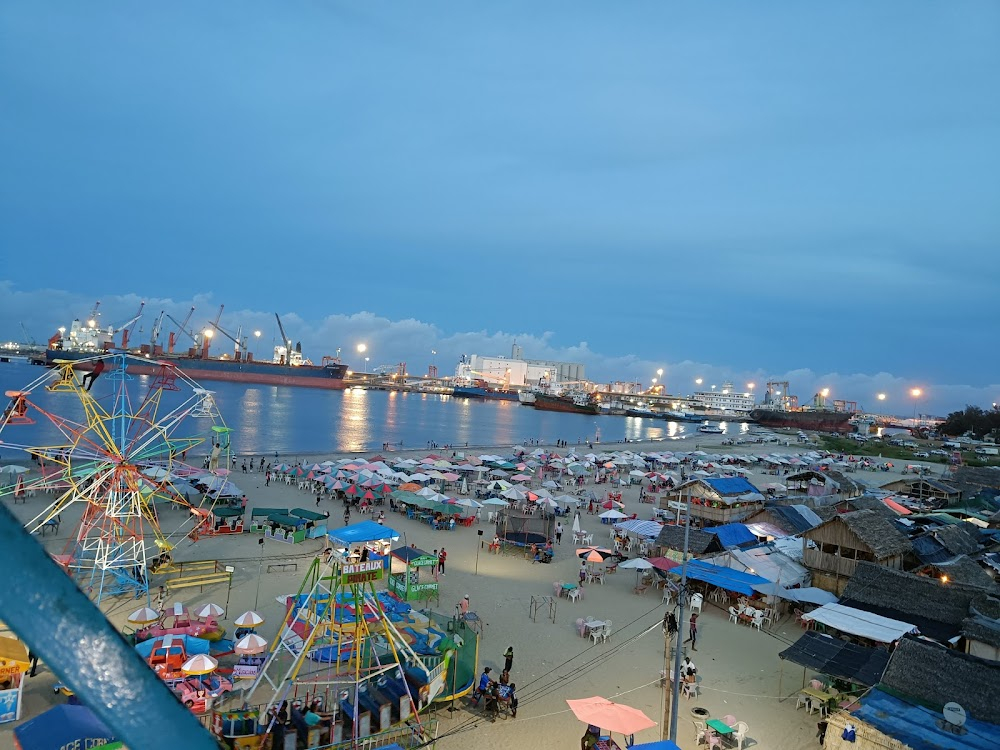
(639, 563)
(249, 620)
(199, 664)
(468, 503)
(496, 501)
(13, 469)
(613, 514)
(250, 644)
(576, 524)
(143, 616)
(209, 610)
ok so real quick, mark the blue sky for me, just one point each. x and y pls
(752, 190)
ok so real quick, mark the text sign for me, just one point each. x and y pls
(361, 572)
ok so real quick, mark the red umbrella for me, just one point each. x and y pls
(368, 496)
(663, 563)
(352, 490)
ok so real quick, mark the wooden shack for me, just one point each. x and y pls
(847, 539)
(714, 500)
(922, 488)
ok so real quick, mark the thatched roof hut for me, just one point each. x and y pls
(936, 608)
(936, 675)
(847, 540)
(849, 487)
(962, 570)
(699, 542)
(923, 488)
(974, 480)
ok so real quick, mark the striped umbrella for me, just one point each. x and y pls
(200, 664)
(209, 610)
(249, 620)
(250, 644)
(144, 616)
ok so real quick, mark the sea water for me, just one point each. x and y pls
(266, 420)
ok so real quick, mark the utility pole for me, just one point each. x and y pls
(667, 682)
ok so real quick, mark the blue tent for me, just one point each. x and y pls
(726, 578)
(919, 727)
(659, 745)
(732, 534)
(64, 726)
(192, 645)
(357, 533)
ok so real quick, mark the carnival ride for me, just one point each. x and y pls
(119, 451)
(353, 651)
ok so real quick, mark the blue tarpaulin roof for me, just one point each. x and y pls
(917, 726)
(726, 578)
(366, 531)
(730, 485)
(732, 534)
(660, 745)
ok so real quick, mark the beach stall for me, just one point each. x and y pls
(14, 664)
(258, 518)
(282, 527)
(315, 522)
(405, 579)
(374, 537)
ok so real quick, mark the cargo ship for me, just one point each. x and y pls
(576, 404)
(820, 420)
(480, 389)
(86, 342)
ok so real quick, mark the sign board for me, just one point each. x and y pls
(10, 705)
(361, 572)
(245, 671)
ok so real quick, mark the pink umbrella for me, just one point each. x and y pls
(614, 717)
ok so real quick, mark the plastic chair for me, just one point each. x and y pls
(576, 593)
(758, 620)
(729, 720)
(699, 732)
(816, 684)
(606, 631)
(713, 739)
(581, 626)
(733, 615)
(801, 700)
(815, 704)
(696, 601)
(668, 596)
(557, 588)
(690, 689)
(740, 734)
(596, 634)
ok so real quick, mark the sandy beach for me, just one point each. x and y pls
(738, 666)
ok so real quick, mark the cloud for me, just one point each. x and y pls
(412, 341)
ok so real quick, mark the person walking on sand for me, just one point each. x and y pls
(442, 556)
(693, 631)
(508, 659)
(558, 532)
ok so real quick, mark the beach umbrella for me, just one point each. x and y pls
(663, 563)
(209, 610)
(13, 469)
(613, 514)
(594, 554)
(496, 501)
(576, 524)
(249, 620)
(144, 616)
(606, 714)
(250, 644)
(639, 564)
(199, 664)
(465, 486)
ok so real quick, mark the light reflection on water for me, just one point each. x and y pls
(269, 419)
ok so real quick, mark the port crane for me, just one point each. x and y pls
(172, 336)
(241, 343)
(285, 341)
(28, 338)
(154, 334)
(126, 329)
(207, 338)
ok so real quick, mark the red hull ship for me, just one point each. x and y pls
(814, 419)
(578, 405)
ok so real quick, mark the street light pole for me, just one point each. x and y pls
(260, 565)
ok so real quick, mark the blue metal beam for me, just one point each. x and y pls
(64, 628)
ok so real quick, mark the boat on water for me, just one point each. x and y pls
(579, 403)
(711, 429)
(527, 398)
(87, 343)
(821, 420)
(480, 389)
(635, 411)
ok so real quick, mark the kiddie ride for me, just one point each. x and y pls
(175, 620)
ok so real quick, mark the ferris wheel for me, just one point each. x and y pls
(113, 456)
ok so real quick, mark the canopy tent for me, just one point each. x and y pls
(766, 562)
(860, 623)
(724, 578)
(837, 658)
(366, 531)
(649, 529)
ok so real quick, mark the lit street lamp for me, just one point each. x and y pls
(916, 393)
(366, 365)
(256, 348)
(698, 381)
